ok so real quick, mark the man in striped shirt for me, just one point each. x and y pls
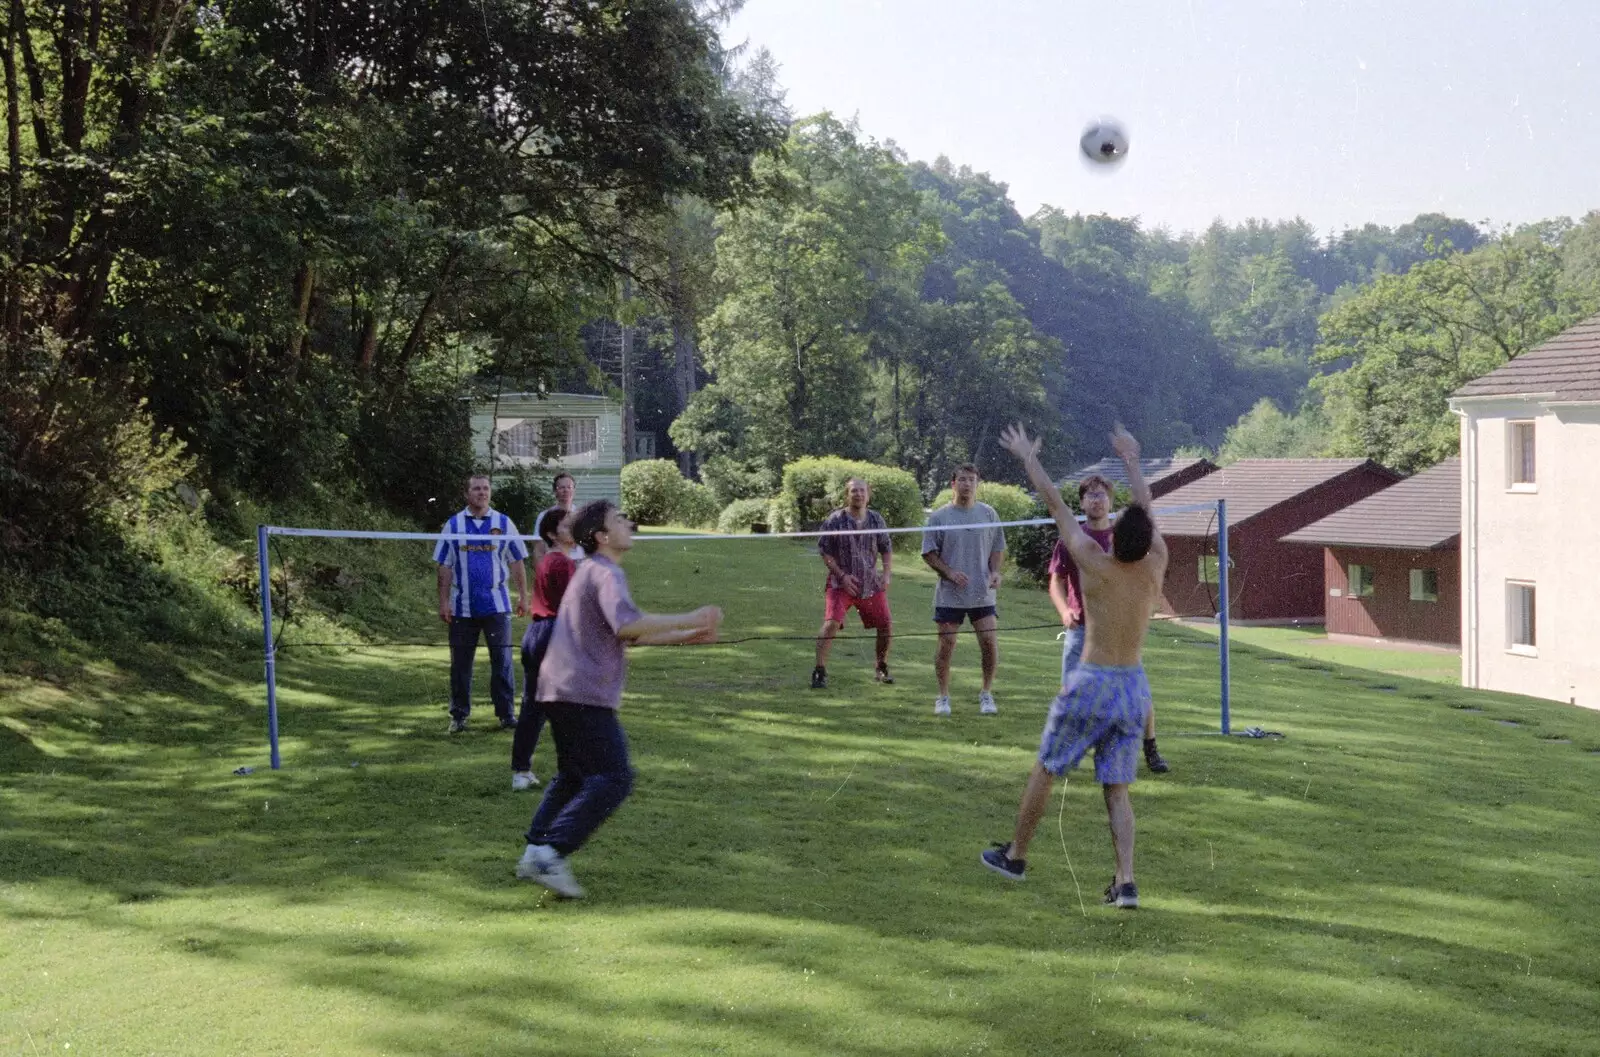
(474, 596)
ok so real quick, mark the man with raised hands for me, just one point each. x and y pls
(1106, 698)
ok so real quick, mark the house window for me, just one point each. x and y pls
(1360, 581)
(1520, 456)
(1424, 585)
(1208, 568)
(1521, 626)
(546, 439)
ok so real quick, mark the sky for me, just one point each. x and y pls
(1342, 112)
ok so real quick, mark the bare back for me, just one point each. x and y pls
(1118, 598)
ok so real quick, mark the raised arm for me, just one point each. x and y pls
(1016, 440)
(1125, 446)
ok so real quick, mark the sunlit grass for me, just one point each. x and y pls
(796, 872)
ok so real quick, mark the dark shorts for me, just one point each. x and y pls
(955, 614)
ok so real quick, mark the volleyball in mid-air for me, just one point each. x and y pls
(1104, 142)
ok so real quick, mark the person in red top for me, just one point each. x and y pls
(1094, 498)
(550, 581)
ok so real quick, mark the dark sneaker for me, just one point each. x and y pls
(819, 678)
(458, 726)
(883, 676)
(508, 723)
(1003, 864)
(1152, 758)
(1124, 897)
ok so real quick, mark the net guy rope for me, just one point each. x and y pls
(265, 532)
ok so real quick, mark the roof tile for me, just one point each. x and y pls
(1567, 366)
(1251, 487)
(1422, 512)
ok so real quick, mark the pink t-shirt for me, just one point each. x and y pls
(586, 662)
(1061, 564)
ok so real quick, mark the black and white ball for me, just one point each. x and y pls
(1104, 142)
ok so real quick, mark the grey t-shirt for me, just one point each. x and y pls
(965, 550)
(586, 662)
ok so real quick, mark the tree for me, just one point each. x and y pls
(1401, 346)
(1264, 432)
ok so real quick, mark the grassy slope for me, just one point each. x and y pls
(796, 872)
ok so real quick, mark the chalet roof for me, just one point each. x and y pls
(1422, 512)
(1252, 487)
(1153, 469)
(1567, 367)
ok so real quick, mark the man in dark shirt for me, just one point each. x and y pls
(853, 579)
(1094, 498)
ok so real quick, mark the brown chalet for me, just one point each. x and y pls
(1392, 563)
(1162, 475)
(1269, 580)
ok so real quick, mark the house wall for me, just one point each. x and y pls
(1389, 612)
(597, 475)
(1269, 579)
(1544, 536)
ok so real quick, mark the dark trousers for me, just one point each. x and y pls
(593, 776)
(530, 721)
(496, 629)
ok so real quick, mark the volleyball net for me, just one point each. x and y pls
(768, 584)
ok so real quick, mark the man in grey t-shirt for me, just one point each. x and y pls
(968, 563)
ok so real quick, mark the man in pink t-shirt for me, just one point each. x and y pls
(1094, 498)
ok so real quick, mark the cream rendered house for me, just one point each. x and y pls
(1530, 517)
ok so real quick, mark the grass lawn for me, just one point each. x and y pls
(1436, 666)
(1413, 869)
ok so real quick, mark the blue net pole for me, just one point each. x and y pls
(266, 637)
(1222, 607)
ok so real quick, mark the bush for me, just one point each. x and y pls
(740, 514)
(696, 506)
(813, 487)
(521, 495)
(651, 490)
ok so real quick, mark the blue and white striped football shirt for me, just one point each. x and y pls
(481, 571)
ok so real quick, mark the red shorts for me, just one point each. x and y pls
(874, 609)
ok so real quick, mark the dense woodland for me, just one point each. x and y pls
(258, 253)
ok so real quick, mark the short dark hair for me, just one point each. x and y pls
(590, 519)
(549, 521)
(557, 479)
(1093, 480)
(1131, 536)
(965, 467)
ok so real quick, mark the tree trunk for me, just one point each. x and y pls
(367, 350)
(419, 329)
(684, 357)
(13, 289)
(304, 282)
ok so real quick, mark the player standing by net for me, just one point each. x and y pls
(968, 563)
(550, 579)
(1095, 499)
(564, 488)
(474, 597)
(1107, 696)
(853, 579)
(580, 687)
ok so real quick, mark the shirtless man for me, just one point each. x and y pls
(1107, 697)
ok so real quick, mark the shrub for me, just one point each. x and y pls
(696, 506)
(740, 514)
(812, 487)
(651, 490)
(521, 495)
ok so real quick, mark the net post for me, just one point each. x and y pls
(1222, 606)
(264, 567)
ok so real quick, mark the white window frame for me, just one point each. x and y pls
(1516, 610)
(1522, 455)
(584, 429)
(1355, 583)
(1419, 592)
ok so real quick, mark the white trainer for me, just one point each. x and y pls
(521, 780)
(986, 704)
(543, 865)
(941, 705)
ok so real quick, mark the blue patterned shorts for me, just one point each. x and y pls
(1103, 708)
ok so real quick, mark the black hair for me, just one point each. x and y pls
(1131, 536)
(590, 519)
(549, 521)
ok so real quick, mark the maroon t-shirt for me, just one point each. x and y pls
(550, 581)
(1061, 564)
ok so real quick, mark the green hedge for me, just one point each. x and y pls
(813, 487)
(740, 514)
(696, 506)
(650, 490)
